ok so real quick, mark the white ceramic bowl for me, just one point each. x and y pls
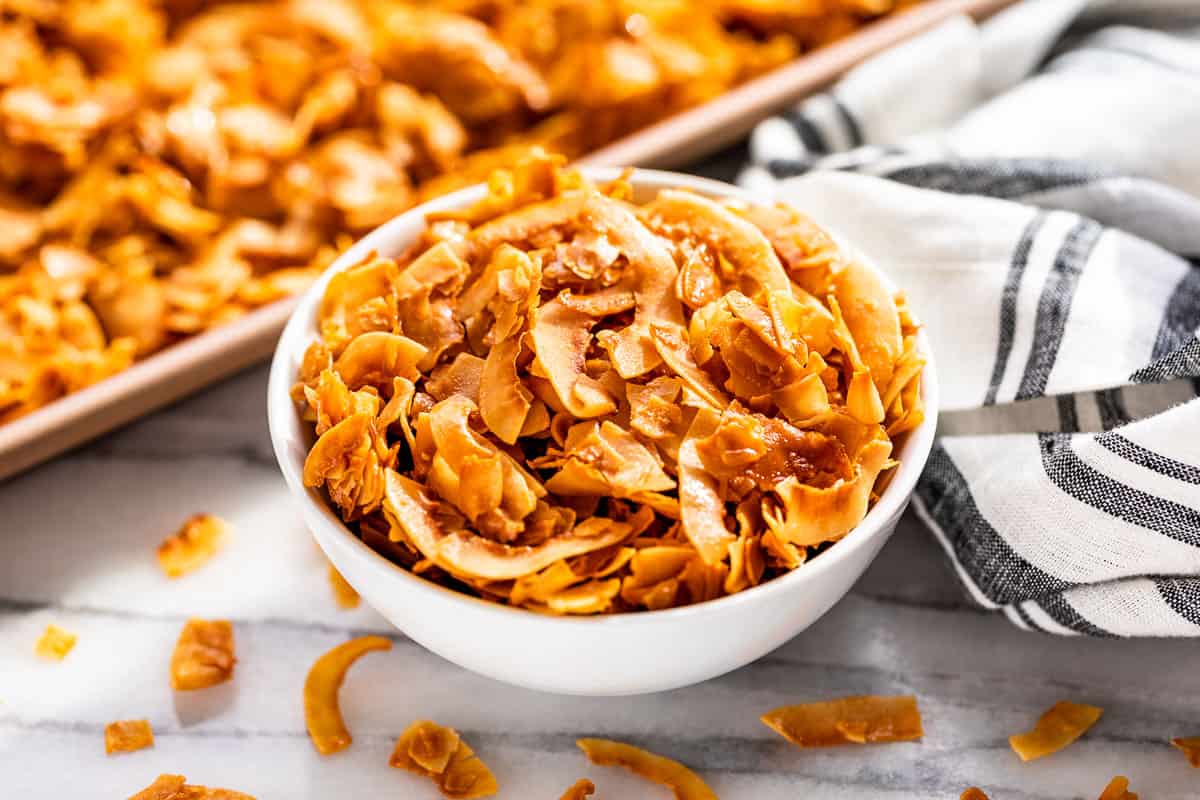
(605, 655)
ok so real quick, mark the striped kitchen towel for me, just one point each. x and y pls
(1034, 184)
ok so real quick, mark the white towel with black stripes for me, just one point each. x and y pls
(1034, 184)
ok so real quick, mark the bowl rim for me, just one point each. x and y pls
(281, 413)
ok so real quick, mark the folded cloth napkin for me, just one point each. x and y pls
(1034, 185)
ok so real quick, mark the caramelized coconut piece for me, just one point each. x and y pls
(752, 260)
(126, 736)
(55, 643)
(1190, 747)
(686, 784)
(203, 655)
(198, 540)
(561, 338)
(848, 720)
(176, 787)
(429, 749)
(1118, 789)
(322, 713)
(466, 554)
(1062, 724)
(582, 789)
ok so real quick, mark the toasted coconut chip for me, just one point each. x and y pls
(465, 554)
(376, 357)
(745, 247)
(592, 597)
(605, 459)
(398, 409)
(347, 460)
(483, 482)
(343, 593)
(701, 509)
(127, 735)
(561, 338)
(803, 401)
(203, 655)
(808, 515)
(671, 344)
(848, 720)
(332, 400)
(686, 784)
(462, 376)
(603, 303)
(466, 776)
(580, 790)
(54, 643)
(1190, 747)
(1062, 724)
(358, 300)
(322, 714)
(504, 402)
(425, 748)
(440, 268)
(872, 319)
(198, 540)
(176, 787)
(1118, 789)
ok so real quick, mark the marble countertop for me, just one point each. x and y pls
(76, 548)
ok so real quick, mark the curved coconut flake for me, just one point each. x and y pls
(376, 357)
(739, 241)
(358, 300)
(810, 516)
(671, 344)
(701, 509)
(465, 554)
(803, 400)
(561, 338)
(685, 784)
(605, 302)
(518, 283)
(870, 314)
(397, 410)
(607, 460)
(463, 375)
(650, 264)
(439, 268)
(459, 447)
(504, 402)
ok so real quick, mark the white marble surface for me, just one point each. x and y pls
(77, 538)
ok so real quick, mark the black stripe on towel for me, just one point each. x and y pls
(1054, 307)
(853, 131)
(810, 135)
(1182, 316)
(1135, 453)
(996, 569)
(789, 167)
(1088, 485)
(1059, 609)
(1182, 595)
(1008, 303)
(1111, 405)
(1068, 417)
(1019, 610)
(1183, 362)
(1006, 178)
